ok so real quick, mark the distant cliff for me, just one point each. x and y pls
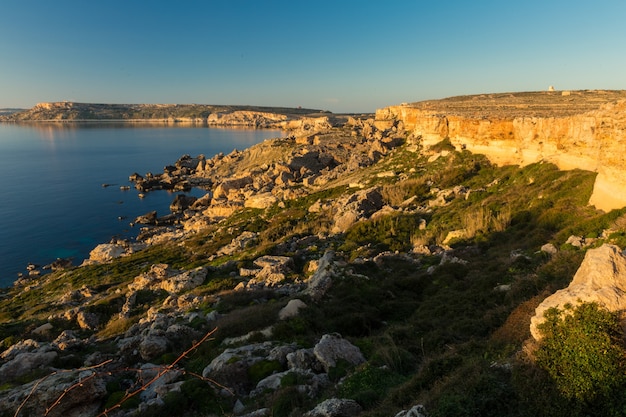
(577, 129)
(218, 115)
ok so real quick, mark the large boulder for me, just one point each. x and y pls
(601, 278)
(26, 362)
(63, 394)
(106, 252)
(332, 347)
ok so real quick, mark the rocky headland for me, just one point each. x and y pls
(392, 265)
(200, 114)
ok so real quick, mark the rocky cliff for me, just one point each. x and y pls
(214, 115)
(577, 129)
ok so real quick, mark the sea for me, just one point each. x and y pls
(61, 183)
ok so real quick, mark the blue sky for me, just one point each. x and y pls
(342, 56)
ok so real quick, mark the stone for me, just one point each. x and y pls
(152, 347)
(549, 248)
(185, 281)
(87, 320)
(360, 205)
(274, 270)
(332, 347)
(260, 201)
(415, 411)
(601, 278)
(182, 202)
(148, 218)
(83, 400)
(224, 189)
(321, 280)
(67, 340)
(28, 345)
(160, 376)
(304, 359)
(43, 329)
(291, 309)
(25, 362)
(106, 252)
(335, 407)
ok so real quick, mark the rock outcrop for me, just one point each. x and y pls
(601, 278)
(584, 130)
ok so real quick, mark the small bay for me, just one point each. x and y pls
(52, 200)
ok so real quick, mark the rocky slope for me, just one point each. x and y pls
(572, 129)
(356, 270)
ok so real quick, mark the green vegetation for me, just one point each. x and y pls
(583, 350)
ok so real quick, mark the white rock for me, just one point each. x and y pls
(332, 347)
(291, 309)
(601, 278)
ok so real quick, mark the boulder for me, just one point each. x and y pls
(260, 201)
(152, 347)
(226, 187)
(148, 218)
(335, 407)
(549, 248)
(291, 309)
(321, 280)
(185, 281)
(67, 340)
(230, 368)
(274, 269)
(87, 320)
(106, 252)
(362, 204)
(332, 348)
(39, 398)
(601, 278)
(182, 202)
(415, 411)
(161, 376)
(304, 359)
(26, 362)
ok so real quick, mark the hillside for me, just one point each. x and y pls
(222, 115)
(362, 268)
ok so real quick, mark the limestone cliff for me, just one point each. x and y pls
(578, 129)
(202, 114)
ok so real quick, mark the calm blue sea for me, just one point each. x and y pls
(52, 203)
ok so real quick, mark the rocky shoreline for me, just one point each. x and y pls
(343, 270)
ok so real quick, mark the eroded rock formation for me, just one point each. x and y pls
(583, 129)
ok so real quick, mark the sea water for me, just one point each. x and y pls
(52, 200)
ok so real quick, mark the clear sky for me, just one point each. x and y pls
(342, 56)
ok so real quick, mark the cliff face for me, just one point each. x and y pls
(584, 130)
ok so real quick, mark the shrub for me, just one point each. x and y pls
(582, 350)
